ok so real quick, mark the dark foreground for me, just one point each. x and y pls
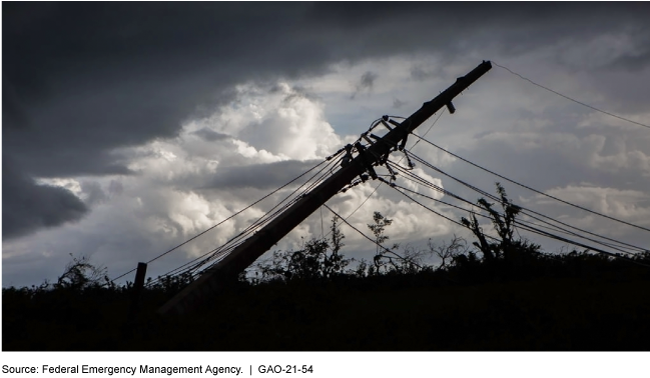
(607, 311)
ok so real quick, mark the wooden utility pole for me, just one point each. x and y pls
(246, 253)
(138, 285)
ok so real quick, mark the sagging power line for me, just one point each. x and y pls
(532, 189)
(422, 181)
(571, 99)
(282, 205)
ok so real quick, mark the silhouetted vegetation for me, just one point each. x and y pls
(493, 294)
(320, 259)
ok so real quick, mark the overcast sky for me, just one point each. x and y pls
(128, 128)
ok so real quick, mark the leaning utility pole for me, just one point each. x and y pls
(246, 253)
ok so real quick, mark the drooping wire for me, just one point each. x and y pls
(328, 159)
(526, 211)
(519, 221)
(435, 212)
(532, 189)
(230, 245)
(569, 98)
(368, 237)
(226, 248)
(529, 228)
(189, 266)
(560, 238)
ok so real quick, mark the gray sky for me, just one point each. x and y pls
(128, 128)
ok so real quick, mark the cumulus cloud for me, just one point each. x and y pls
(278, 119)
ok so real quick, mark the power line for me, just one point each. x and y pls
(435, 212)
(426, 207)
(429, 129)
(329, 158)
(534, 190)
(569, 98)
(525, 211)
(556, 237)
(183, 268)
(553, 227)
(369, 238)
(537, 231)
(231, 244)
(234, 242)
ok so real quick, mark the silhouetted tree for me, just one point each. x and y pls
(386, 258)
(510, 252)
(448, 252)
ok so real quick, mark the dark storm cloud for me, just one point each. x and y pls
(92, 77)
(27, 207)
(394, 27)
(260, 176)
(81, 79)
(104, 75)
